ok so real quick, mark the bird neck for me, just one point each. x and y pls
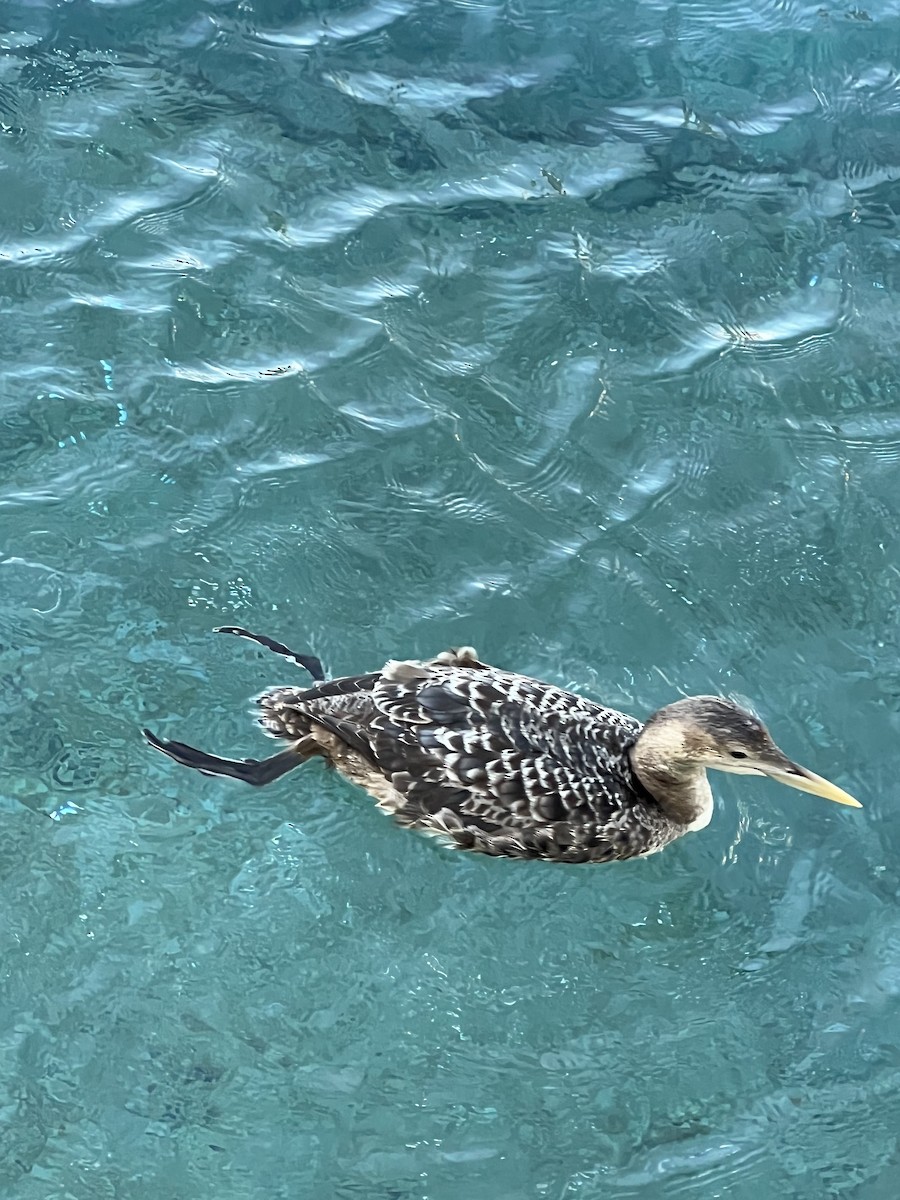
(681, 789)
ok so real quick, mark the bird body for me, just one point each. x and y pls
(486, 759)
(499, 763)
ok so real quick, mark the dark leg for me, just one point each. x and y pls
(248, 770)
(309, 662)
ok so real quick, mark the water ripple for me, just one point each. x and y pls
(439, 95)
(346, 27)
(788, 326)
(578, 174)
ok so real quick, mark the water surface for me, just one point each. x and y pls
(567, 330)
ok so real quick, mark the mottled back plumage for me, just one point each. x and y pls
(490, 760)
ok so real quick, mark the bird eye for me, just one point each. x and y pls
(737, 754)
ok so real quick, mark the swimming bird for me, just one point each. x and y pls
(499, 763)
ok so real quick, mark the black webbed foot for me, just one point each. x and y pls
(249, 770)
(309, 662)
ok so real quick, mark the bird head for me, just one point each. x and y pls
(711, 732)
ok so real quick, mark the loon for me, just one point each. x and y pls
(502, 764)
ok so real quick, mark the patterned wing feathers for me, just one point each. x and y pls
(489, 760)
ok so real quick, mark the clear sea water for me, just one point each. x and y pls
(566, 329)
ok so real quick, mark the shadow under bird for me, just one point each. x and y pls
(495, 762)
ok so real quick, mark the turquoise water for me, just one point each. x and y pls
(566, 330)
